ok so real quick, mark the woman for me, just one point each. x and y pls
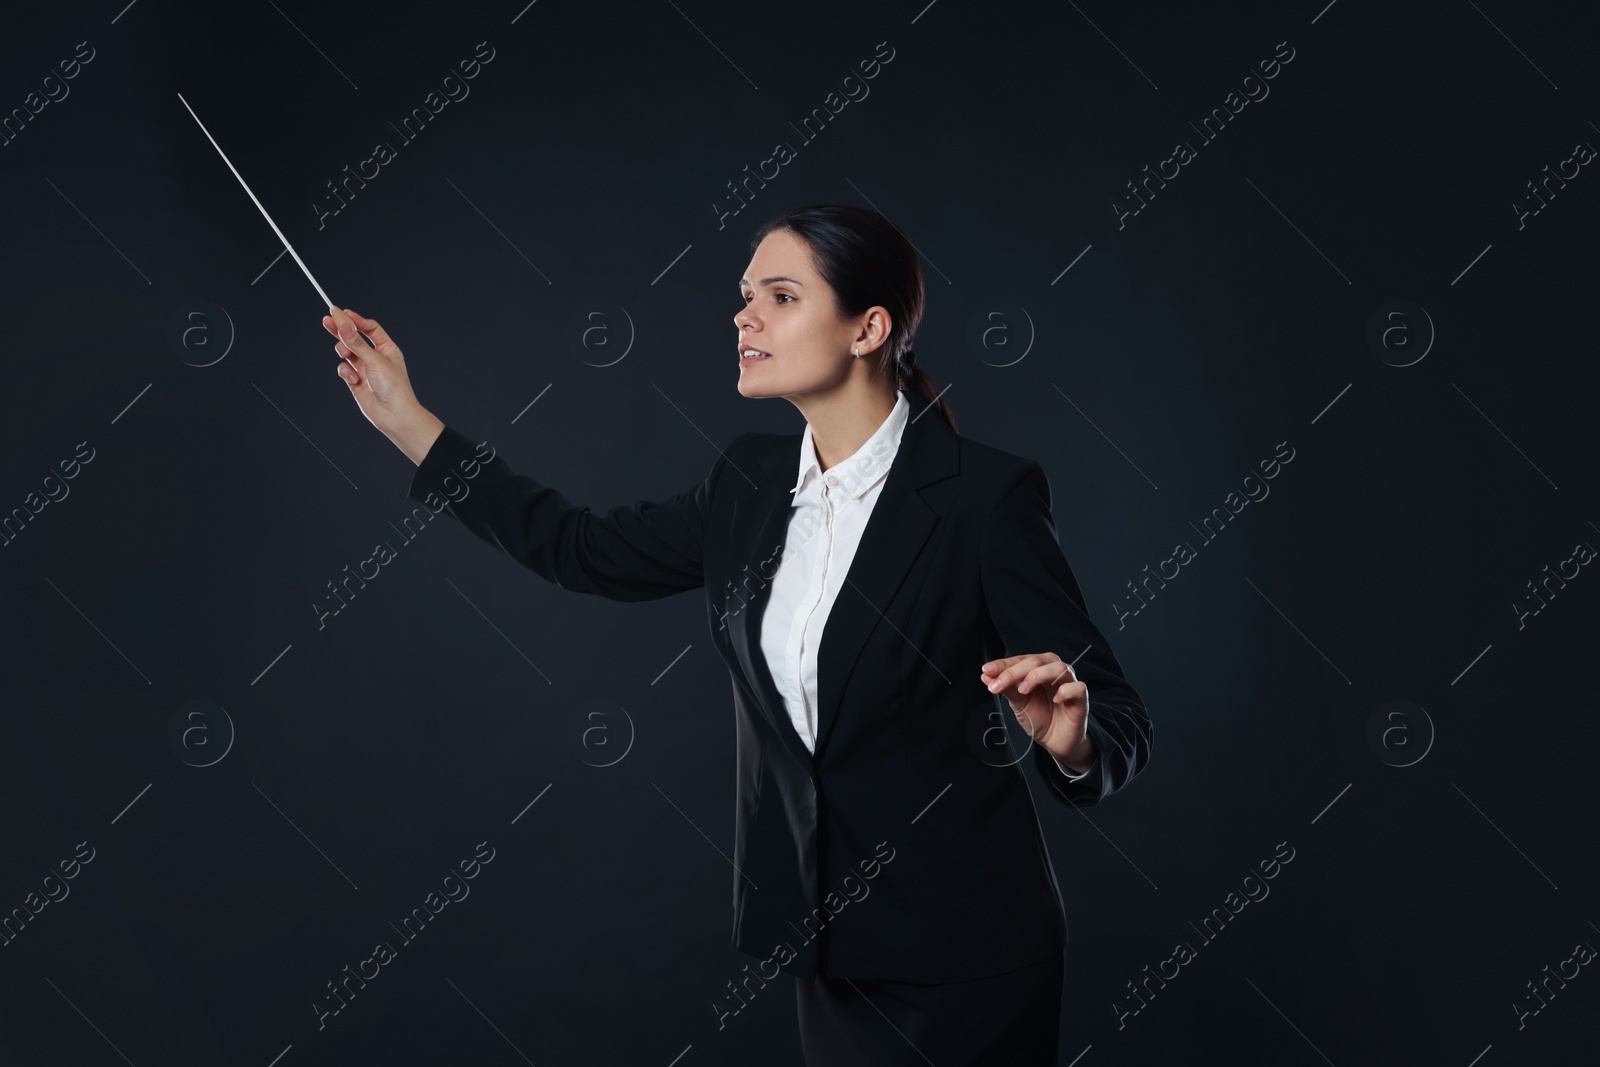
(887, 853)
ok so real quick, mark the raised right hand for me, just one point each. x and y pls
(375, 373)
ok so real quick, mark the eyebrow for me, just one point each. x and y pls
(771, 280)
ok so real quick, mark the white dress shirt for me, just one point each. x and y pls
(829, 514)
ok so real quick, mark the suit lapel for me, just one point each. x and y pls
(760, 532)
(899, 527)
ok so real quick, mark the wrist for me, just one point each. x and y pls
(1080, 759)
(414, 433)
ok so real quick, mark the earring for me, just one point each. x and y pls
(858, 353)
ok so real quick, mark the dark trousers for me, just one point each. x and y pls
(1011, 1019)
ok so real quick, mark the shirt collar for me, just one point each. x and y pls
(867, 464)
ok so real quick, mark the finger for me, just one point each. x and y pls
(1006, 661)
(1045, 673)
(346, 328)
(1020, 666)
(996, 665)
(1070, 691)
(371, 328)
(330, 325)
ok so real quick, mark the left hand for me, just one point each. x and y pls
(1049, 702)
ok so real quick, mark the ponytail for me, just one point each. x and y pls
(918, 383)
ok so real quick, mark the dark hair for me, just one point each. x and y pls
(868, 262)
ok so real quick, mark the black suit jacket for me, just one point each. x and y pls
(908, 846)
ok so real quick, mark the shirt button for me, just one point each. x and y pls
(832, 480)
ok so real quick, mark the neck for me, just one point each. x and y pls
(842, 421)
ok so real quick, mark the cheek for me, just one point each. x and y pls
(812, 339)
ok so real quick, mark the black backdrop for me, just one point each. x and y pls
(1348, 669)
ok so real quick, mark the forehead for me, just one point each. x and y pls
(780, 257)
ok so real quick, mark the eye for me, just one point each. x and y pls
(791, 298)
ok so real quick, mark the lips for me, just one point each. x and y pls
(750, 354)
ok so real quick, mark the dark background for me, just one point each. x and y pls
(1441, 858)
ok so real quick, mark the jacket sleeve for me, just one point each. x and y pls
(1036, 606)
(641, 551)
(1072, 775)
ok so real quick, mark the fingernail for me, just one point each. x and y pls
(346, 331)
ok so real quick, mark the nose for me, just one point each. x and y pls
(743, 320)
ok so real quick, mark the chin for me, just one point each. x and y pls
(756, 386)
